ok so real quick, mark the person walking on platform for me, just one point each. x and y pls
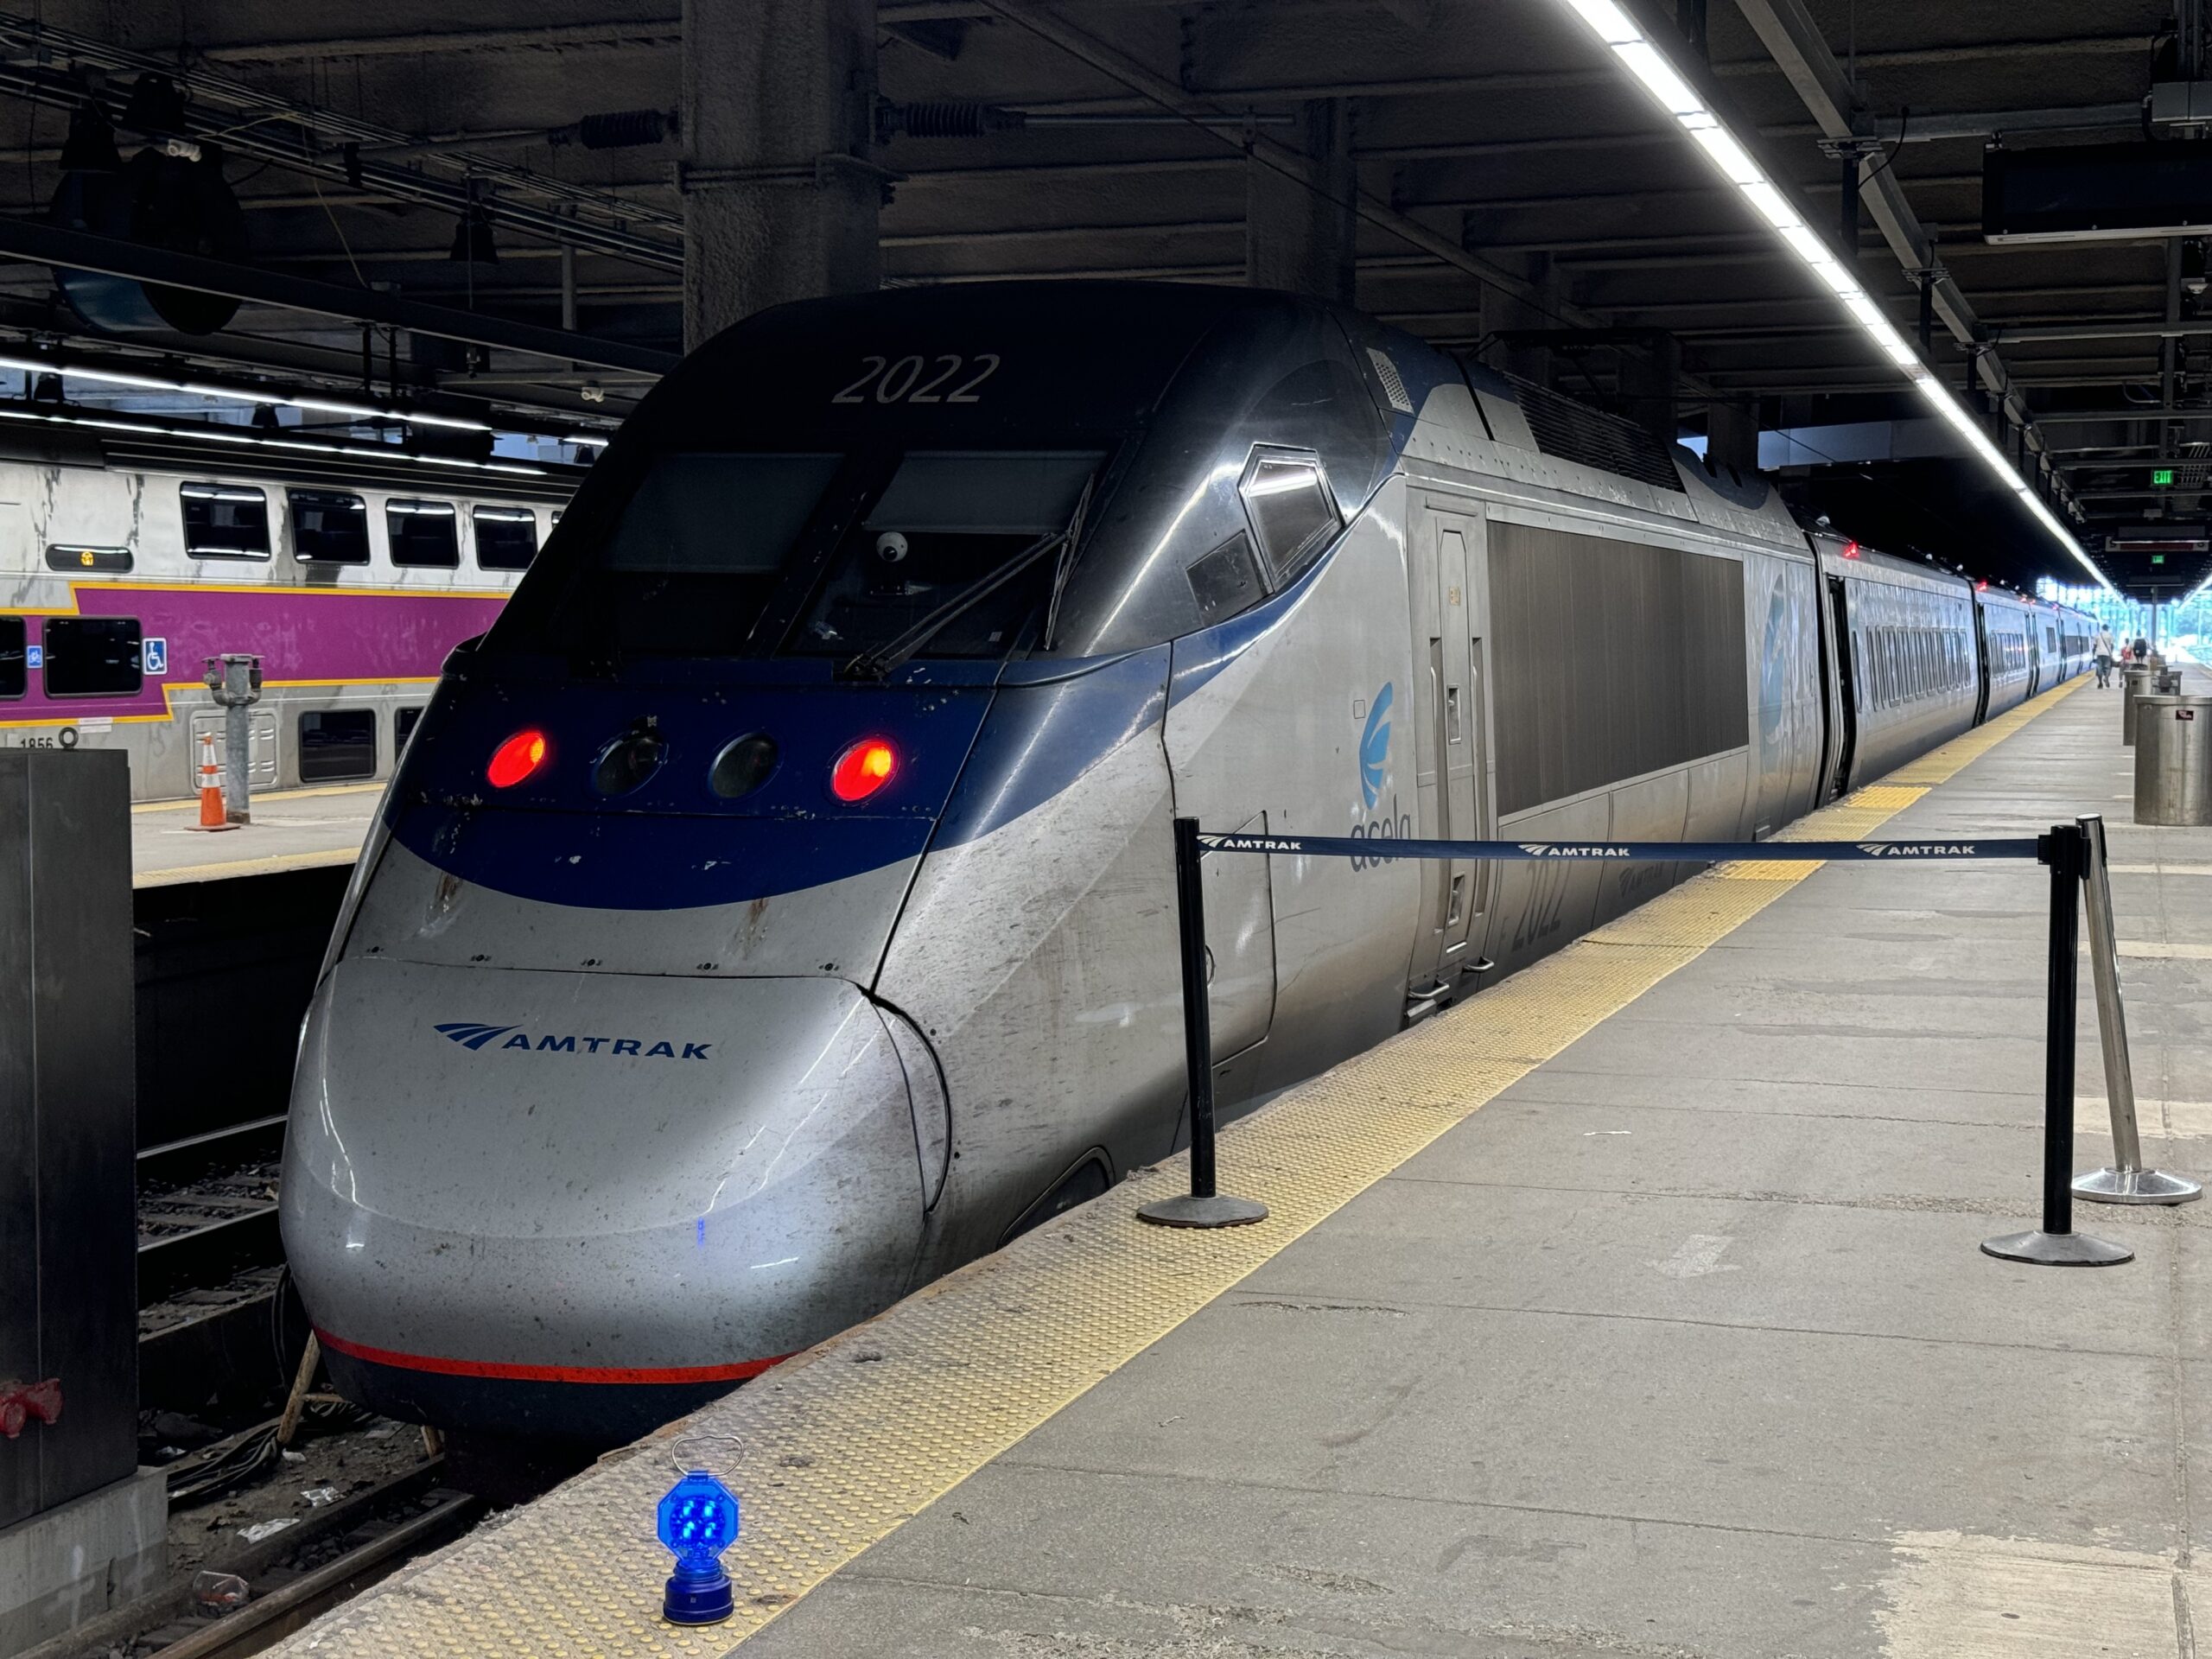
(2103, 650)
(2142, 648)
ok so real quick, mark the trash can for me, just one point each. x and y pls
(2173, 760)
(2134, 681)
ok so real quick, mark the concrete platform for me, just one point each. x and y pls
(1634, 1307)
(81, 1558)
(292, 830)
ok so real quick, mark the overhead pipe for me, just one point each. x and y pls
(53, 245)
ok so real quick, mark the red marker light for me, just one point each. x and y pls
(1851, 549)
(863, 769)
(516, 758)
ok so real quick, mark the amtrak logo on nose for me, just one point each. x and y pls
(470, 1034)
(1375, 749)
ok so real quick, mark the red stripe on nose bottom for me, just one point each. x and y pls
(737, 1372)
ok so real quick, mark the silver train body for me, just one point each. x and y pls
(664, 1059)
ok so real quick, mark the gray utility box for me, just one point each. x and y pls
(68, 1131)
(2173, 760)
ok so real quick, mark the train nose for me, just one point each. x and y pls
(579, 1203)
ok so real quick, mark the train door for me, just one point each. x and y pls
(1980, 665)
(260, 750)
(1844, 700)
(1450, 746)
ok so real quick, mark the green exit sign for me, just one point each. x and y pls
(2158, 558)
(2162, 476)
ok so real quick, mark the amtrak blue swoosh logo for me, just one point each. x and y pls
(471, 1035)
(1375, 749)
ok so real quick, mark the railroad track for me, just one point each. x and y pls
(306, 1570)
(208, 1208)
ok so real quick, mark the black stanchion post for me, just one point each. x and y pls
(2055, 1244)
(1203, 1205)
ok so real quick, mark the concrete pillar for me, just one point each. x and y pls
(1732, 434)
(780, 203)
(1502, 311)
(1648, 374)
(1299, 236)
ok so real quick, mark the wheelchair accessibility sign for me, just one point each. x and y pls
(154, 656)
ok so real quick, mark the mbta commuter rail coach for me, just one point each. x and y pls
(775, 908)
(129, 557)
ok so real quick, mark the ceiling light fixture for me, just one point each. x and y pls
(1627, 42)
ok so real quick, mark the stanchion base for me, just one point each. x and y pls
(1190, 1210)
(2136, 1187)
(2057, 1250)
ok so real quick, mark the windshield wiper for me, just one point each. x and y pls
(874, 665)
(1065, 565)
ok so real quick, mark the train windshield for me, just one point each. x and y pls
(944, 528)
(851, 555)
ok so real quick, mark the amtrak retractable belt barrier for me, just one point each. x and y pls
(2125, 1180)
(2065, 849)
(2055, 1244)
(1204, 1207)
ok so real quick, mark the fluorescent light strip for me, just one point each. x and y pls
(240, 394)
(1658, 77)
(217, 434)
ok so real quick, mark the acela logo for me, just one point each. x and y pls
(470, 1034)
(1375, 749)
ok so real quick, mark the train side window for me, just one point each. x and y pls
(1291, 512)
(15, 657)
(1225, 581)
(329, 526)
(336, 744)
(423, 533)
(91, 656)
(506, 538)
(402, 728)
(225, 521)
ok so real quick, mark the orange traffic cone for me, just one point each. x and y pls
(210, 785)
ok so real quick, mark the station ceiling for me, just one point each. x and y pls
(358, 144)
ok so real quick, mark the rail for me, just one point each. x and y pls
(2074, 853)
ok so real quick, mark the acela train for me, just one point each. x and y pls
(774, 909)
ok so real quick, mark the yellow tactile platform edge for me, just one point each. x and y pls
(833, 1451)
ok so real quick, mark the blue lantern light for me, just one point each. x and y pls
(697, 1522)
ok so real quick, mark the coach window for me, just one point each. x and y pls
(91, 656)
(1291, 512)
(402, 728)
(14, 656)
(506, 538)
(329, 526)
(225, 521)
(426, 533)
(336, 744)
